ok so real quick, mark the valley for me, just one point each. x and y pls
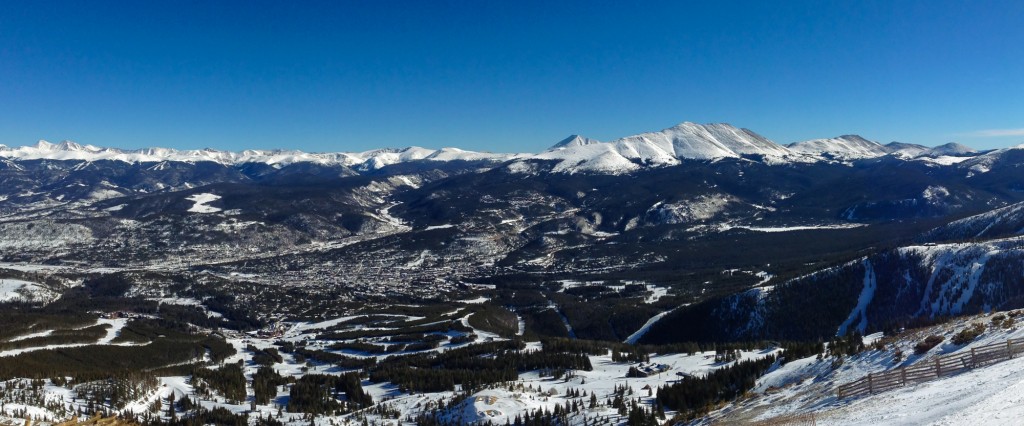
(679, 276)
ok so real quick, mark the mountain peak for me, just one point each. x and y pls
(857, 138)
(671, 146)
(690, 124)
(953, 149)
(67, 145)
(572, 141)
(842, 147)
(907, 150)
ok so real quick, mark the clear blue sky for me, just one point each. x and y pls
(505, 75)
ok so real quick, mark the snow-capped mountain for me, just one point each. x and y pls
(951, 149)
(575, 154)
(697, 233)
(990, 160)
(686, 141)
(572, 142)
(906, 150)
(692, 141)
(696, 141)
(368, 160)
(846, 147)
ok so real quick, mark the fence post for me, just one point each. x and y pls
(870, 387)
(974, 360)
(938, 367)
(903, 375)
(1009, 349)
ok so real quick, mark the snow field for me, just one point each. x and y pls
(201, 201)
(14, 289)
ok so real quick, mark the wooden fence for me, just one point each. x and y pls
(931, 369)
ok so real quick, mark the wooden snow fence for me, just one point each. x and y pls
(925, 370)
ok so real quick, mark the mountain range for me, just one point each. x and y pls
(686, 141)
(648, 260)
(709, 211)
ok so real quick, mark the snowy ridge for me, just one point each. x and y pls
(1003, 221)
(665, 148)
(950, 149)
(845, 147)
(709, 142)
(671, 146)
(368, 160)
(983, 163)
(573, 141)
(907, 150)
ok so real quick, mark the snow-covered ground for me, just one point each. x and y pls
(534, 390)
(201, 201)
(990, 395)
(12, 289)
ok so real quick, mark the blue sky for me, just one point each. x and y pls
(504, 75)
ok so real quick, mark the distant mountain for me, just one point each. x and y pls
(710, 210)
(572, 142)
(686, 141)
(368, 160)
(910, 150)
(951, 149)
(844, 147)
(575, 154)
(992, 160)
